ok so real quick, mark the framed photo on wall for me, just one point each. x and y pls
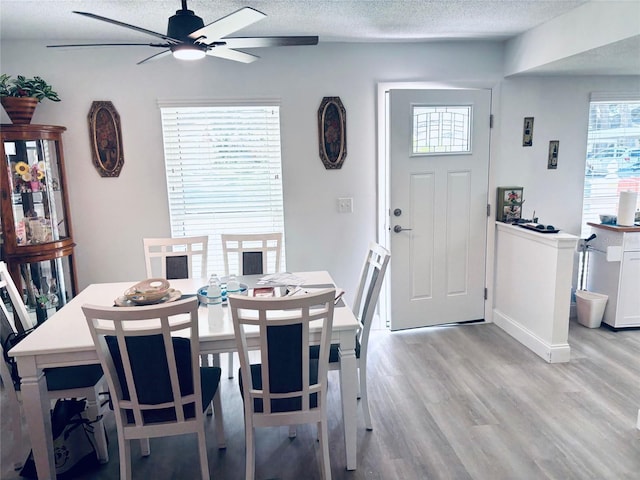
(106, 139)
(552, 162)
(527, 132)
(332, 132)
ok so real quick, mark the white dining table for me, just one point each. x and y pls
(65, 340)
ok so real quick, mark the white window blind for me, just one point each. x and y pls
(224, 172)
(613, 154)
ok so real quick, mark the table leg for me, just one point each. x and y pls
(36, 405)
(216, 406)
(349, 394)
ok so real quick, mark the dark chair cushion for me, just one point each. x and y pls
(285, 369)
(151, 375)
(252, 263)
(209, 381)
(334, 357)
(285, 404)
(60, 378)
(177, 267)
(66, 378)
(79, 376)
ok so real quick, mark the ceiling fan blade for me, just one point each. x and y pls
(227, 25)
(164, 45)
(257, 42)
(230, 54)
(126, 25)
(155, 57)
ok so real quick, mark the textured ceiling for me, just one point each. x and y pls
(332, 20)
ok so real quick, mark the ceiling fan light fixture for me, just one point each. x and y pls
(187, 52)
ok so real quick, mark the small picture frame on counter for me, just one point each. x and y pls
(509, 204)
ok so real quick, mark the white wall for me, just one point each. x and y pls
(111, 215)
(560, 106)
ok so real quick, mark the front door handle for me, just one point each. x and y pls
(399, 229)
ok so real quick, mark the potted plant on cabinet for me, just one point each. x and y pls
(20, 96)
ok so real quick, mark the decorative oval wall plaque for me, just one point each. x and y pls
(106, 139)
(332, 132)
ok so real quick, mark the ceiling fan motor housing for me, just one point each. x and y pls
(183, 23)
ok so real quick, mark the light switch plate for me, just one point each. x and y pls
(345, 205)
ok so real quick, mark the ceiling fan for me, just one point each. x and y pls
(188, 38)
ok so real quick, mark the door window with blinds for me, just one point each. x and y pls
(613, 154)
(441, 129)
(224, 172)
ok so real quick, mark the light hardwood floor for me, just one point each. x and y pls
(457, 402)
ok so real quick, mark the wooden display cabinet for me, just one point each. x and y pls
(37, 240)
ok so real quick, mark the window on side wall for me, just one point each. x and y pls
(224, 173)
(613, 154)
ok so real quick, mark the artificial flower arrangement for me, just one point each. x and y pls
(29, 179)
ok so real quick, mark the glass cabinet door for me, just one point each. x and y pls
(47, 286)
(36, 191)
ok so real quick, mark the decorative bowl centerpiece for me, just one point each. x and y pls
(149, 291)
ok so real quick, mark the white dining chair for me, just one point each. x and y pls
(287, 387)
(366, 299)
(174, 258)
(250, 254)
(177, 258)
(84, 381)
(150, 356)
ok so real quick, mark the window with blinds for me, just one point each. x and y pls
(224, 172)
(613, 154)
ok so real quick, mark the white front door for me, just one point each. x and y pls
(438, 167)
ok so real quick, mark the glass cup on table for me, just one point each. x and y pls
(233, 285)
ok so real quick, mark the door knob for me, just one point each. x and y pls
(399, 229)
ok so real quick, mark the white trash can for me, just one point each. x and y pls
(590, 307)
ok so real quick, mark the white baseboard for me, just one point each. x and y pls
(558, 353)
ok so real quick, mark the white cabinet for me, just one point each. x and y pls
(614, 270)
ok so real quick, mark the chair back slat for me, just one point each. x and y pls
(6, 376)
(175, 258)
(17, 304)
(371, 278)
(287, 380)
(251, 254)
